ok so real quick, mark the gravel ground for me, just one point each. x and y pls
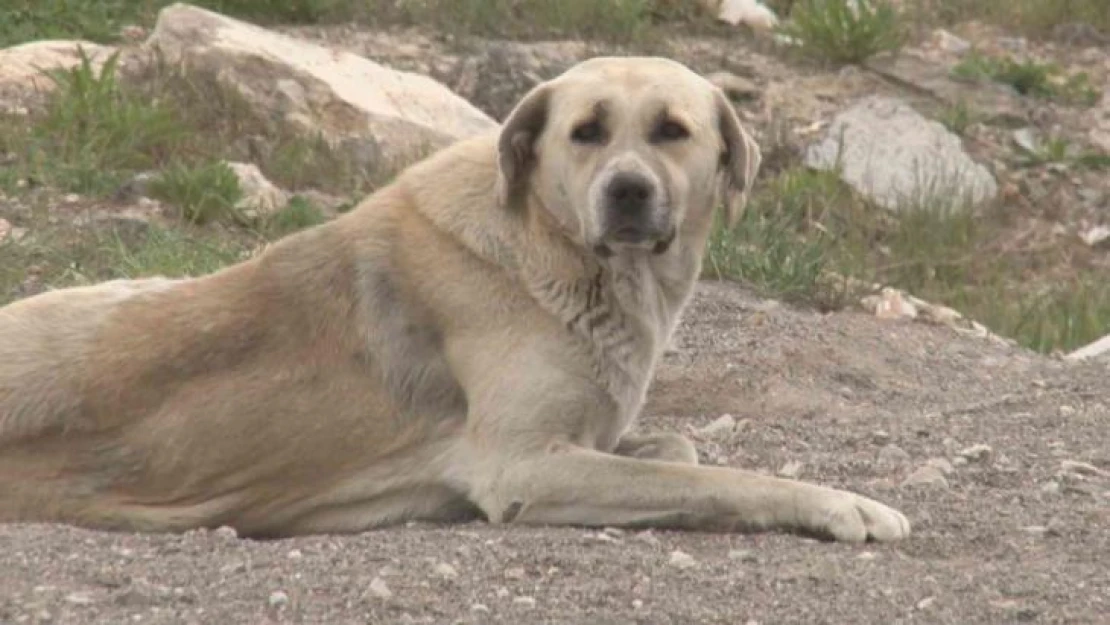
(1000, 457)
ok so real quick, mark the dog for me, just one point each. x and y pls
(471, 341)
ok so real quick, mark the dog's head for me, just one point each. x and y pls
(626, 152)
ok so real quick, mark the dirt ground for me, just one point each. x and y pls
(1016, 534)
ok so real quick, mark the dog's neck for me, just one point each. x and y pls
(624, 307)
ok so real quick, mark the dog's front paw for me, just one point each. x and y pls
(849, 517)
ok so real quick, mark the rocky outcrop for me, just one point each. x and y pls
(386, 117)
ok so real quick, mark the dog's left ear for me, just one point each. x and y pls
(740, 159)
(516, 145)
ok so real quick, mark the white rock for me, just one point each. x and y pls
(720, 426)
(977, 453)
(295, 554)
(1098, 348)
(479, 607)
(260, 196)
(748, 12)
(525, 601)
(386, 117)
(682, 560)
(742, 555)
(379, 589)
(891, 154)
(278, 599)
(1095, 236)
(791, 469)
(926, 476)
(942, 464)
(22, 66)
(226, 533)
(446, 571)
(949, 42)
(889, 303)
(891, 456)
(515, 572)
(79, 598)
(1083, 468)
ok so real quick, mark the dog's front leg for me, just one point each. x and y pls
(573, 485)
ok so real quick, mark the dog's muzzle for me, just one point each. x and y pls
(632, 216)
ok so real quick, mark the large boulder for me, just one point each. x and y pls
(895, 157)
(387, 118)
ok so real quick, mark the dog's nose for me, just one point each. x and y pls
(629, 193)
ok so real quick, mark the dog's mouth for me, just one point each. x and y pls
(636, 238)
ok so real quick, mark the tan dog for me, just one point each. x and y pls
(474, 339)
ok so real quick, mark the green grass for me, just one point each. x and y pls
(802, 226)
(298, 214)
(958, 117)
(832, 31)
(1036, 18)
(93, 133)
(203, 194)
(57, 256)
(610, 20)
(1029, 77)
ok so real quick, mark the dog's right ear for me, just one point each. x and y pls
(516, 146)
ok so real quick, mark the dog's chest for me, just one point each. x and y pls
(622, 320)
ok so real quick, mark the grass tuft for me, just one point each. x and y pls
(843, 31)
(203, 193)
(1029, 77)
(92, 132)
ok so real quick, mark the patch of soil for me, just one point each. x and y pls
(1015, 536)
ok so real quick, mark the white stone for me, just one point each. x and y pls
(751, 13)
(897, 158)
(260, 196)
(682, 560)
(1091, 350)
(723, 424)
(379, 588)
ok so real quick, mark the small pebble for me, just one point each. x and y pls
(891, 456)
(515, 572)
(295, 554)
(379, 589)
(942, 464)
(723, 424)
(742, 555)
(791, 470)
(278, 599)
(977, 453)
(79, 598)
(480, 607)
(525, 601)
(1082, 468)
(926, 476)
(682, 560)
(226, 533)
(446, 571)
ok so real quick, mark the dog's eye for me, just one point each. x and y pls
(589, 132)
(669, 130)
